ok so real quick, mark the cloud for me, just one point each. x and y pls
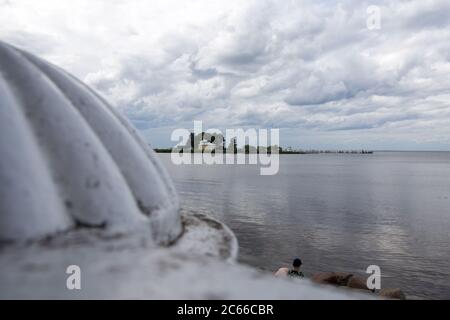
(305, 65)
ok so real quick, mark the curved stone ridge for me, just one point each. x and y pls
(68, 158)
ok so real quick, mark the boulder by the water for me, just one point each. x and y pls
(357, 282)
(392, 293)
(334, 278)
(348, 280)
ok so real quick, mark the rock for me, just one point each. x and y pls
(357, 282)
(342, 279)
(334, 278)
(392, 293)
(324, 278)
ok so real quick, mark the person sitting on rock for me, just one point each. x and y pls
(295, 271)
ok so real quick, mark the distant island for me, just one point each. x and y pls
(210, 143)
(281, 151)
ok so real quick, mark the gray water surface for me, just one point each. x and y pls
(337, 213)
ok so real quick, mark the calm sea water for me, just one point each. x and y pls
(336, 212)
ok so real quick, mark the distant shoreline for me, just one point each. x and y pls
(166, 150)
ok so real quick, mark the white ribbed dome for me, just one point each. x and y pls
(67, 158)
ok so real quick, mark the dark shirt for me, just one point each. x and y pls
(295, 274)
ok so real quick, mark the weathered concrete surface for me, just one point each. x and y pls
(131, 266)
(68, 158)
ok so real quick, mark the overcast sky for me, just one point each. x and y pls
(311, 68)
